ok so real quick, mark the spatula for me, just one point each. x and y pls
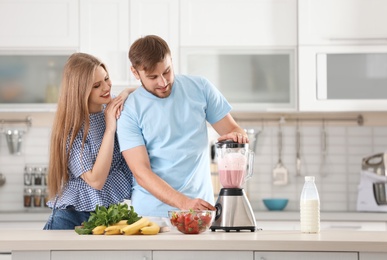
(298, 151)
(280, 173)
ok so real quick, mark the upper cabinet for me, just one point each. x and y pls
(343, 22)
(104, 29)
(342, 55)
(39, 24)
(246, 48)
(158, 17)
(238, 23)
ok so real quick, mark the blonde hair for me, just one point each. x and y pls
(72, 114)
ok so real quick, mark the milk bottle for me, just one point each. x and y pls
(310, 207)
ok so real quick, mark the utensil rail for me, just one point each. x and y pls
(359, 119)
(27, 121)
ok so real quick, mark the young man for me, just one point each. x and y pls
(163, 132)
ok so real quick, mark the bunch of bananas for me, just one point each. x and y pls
(141, 227)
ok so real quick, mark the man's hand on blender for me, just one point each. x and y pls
(237, 137)
(198, 204)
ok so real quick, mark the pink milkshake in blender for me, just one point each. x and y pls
(235, 167)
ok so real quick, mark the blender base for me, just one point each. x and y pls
(233, 211)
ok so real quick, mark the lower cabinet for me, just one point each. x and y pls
(31, 255)
(306, 256)
(5, 256)
(101, 255)
(202, 255)
(189, 255)
(82, 255)
(373, 256)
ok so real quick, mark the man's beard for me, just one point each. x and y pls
(154, 93)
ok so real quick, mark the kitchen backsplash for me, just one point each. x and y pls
(346, 146)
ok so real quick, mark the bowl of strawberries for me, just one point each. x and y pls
(191, 221)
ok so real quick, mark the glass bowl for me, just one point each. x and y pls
(191, 221)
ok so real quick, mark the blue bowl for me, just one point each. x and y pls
(275, 204)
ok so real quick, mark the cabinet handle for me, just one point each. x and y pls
(345, 227)
(357, 39)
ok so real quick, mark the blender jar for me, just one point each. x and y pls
(235, 163)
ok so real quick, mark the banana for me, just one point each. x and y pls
(99, 230)
(122, 222)
(151, 229)
(134, 228)
(113, 230)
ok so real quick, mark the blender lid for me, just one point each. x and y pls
(230, 144)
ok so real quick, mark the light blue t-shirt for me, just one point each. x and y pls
(174, 131)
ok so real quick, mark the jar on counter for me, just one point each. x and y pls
(27, 176)
(38, 176)
(27, 197)
(38, 198)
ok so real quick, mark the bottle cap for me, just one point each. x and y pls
(309, 178)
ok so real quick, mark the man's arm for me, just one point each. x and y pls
(227, 128)
(138, 161)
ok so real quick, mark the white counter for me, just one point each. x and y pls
(340, 241)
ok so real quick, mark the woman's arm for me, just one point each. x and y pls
(124, 94)
(96, 178)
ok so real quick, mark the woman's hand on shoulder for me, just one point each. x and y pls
(124, 94)
(112, 112)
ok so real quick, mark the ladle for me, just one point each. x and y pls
(2, 179)
(14, 140)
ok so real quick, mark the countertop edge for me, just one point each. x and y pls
(325, 241)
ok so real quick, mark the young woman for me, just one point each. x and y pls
(85, 167)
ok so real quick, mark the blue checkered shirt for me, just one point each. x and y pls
(77, 192)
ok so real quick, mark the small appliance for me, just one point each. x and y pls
(372, 188)
(375, 163)
(235, 167)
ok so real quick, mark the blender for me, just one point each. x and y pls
(235, 167)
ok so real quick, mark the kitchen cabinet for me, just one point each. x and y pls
(265, 80)
(38, 24)
(305, 255)
(373, 256)
(31, 255)
(256, 40)
(342, 78)
(107, 38)
(157, 17)
(101, 255)
(22, 225)
(202, 255)
(238, 23)
(5, 256)
(344, 22)
(241, 23)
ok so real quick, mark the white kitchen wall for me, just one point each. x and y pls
(346, 146)
(34, 152)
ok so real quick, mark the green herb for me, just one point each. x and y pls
(108, 216)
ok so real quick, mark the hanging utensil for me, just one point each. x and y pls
(280, 173)
(298, 150)
(323, 168)
(253, 138)
(14, 141)
(2, 179)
